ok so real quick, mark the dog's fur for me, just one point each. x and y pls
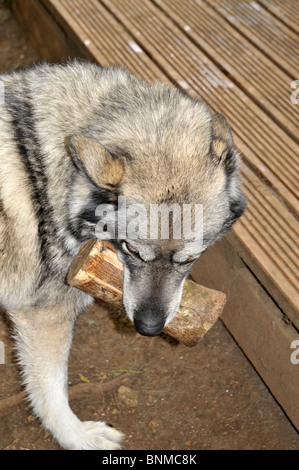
(73, 137)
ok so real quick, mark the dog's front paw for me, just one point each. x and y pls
(96, 435)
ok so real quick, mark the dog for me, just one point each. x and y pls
(76, 137)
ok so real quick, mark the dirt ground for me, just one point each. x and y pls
(208, 397)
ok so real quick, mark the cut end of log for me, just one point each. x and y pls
(98, 271)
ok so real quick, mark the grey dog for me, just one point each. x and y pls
(74, 137)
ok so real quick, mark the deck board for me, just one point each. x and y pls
(100, 34)
(287, 11)
(262, 29)
(246, 65)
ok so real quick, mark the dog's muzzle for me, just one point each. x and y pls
(148, 326)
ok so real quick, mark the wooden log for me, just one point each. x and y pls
(98, 271)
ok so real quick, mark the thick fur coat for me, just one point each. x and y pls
(74, 137)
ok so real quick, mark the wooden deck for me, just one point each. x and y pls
(241, 57)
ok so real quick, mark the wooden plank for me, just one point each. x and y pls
(266, 147)
(255, 322)
(287, 12)
(270, 35)
(267, 238)
(98, 36)
(262, 80)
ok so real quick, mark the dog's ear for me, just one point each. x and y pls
(90, 156)
(223, 150)
(222, 145)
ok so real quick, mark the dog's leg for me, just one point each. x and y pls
(43, 339)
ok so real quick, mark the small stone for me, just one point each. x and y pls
(128, 396)
(153, 426)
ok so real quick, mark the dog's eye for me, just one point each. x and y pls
(131, 250)
(188, 260)
(128, 249)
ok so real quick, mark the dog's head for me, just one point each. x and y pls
(168, 175)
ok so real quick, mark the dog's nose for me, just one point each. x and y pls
(148, 328)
